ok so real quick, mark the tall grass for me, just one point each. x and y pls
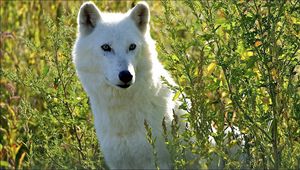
(236, 61)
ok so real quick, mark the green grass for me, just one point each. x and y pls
(238, 63)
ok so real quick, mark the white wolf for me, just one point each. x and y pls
(116, 61)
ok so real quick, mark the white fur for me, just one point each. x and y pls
(119, 114)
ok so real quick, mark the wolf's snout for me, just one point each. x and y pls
(125, 76)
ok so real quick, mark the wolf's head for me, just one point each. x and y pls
(110, 44)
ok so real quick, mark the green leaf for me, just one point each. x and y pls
(45, 70)
(4, 164)
(176, 95)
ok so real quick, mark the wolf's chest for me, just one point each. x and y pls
(126, 151)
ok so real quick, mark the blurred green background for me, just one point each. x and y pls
(237, 61)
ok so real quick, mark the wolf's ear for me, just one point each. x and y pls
(141, 16)
(88, 17)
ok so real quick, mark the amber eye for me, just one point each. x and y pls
(106, 47)
(132, 47)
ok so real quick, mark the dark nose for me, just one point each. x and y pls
(125, 76)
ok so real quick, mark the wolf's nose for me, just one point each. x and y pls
(125, 76)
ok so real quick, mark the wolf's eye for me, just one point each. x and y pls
(132, 47)
(106, 47)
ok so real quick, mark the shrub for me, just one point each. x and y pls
(236, 61)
